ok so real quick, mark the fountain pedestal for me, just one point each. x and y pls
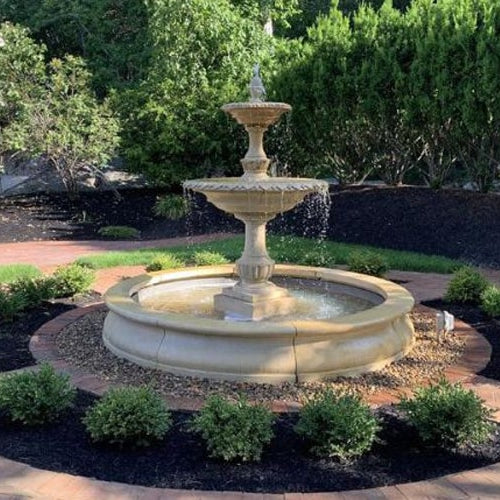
(254, 297)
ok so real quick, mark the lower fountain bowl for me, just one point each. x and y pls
(263, 352)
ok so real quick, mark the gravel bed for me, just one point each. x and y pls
(81, 344)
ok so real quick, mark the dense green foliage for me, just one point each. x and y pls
(135, 416)
(337, 425)
(368, 262)
(391, 90)
(448, 415)
(490, 301)
(234, 431)
(466, 286)
(35, 398)
(72, 279)
(119, 232)
(49, 113)
(384, 91)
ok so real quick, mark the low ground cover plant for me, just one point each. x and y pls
(164, 262)
(367, 262)
(466, 286)
(119, 232)
(36, 398)
(337, 426)
(447, 415)
(490, 301)
(234, 431)
(135, 416)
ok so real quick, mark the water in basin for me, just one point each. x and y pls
(315, 299)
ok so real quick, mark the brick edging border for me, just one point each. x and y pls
(17, 478)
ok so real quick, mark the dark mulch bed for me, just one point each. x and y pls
(484, 325)
(15, 336)
(455, 223)
(56, 217)
(181, 462)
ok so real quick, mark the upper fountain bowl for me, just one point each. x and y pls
(256, 113)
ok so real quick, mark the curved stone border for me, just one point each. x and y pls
(18, 479)
(43, 346)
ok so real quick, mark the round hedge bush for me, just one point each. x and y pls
(135, 416)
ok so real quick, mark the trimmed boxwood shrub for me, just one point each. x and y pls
(234, 431)
(448, 415)
(466, 286)
(72, 279)
(337, 425)
(490, 301)
(35, 398)
(134, 416)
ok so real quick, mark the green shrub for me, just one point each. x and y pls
(466, 286)
(35, 398)
(339, 426)
(316, 258)
(164, 262)
(119, 232)
(234, 431)
(207, 258)
(128, 415)
(490, 301)
(448, 415)
(172, 206)
(367, 262)
(72, 279)
(34, 290)
(11, 304)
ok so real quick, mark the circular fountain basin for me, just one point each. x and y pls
(271, 351)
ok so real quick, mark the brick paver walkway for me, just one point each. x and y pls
(20, 481)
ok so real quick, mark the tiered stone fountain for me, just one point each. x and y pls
(250, 329)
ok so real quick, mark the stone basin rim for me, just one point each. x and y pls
(397, 302)
(269, 184)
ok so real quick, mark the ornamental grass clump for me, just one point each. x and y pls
(164, 262)
(337, 426)
(367, 262)
(448, 415)
(173, 206)
(36, 398)
(234, 431)
(466, 286)
(34, 290)
(134, 416)
(207, 258)
(490, 301)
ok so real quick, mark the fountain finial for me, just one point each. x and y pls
(256, 87)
